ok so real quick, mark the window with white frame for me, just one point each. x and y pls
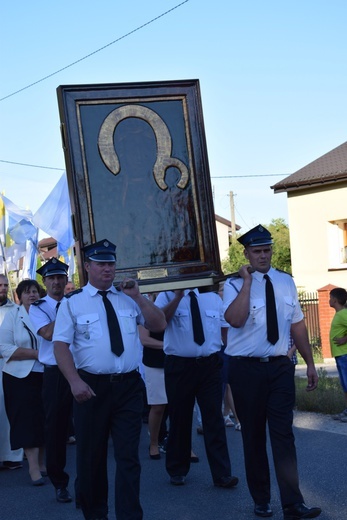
(337, 243)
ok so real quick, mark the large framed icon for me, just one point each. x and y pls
(138, 175)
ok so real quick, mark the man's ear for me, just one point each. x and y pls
(245, 252)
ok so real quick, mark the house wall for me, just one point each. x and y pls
(223, 239)
(314, 243)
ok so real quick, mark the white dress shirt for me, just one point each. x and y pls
(251, 339)
(82, 321)
(42, 313)
(178, 336)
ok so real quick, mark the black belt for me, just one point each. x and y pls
(266, 359)
(113, 378)
(198, 358)
(51, 366)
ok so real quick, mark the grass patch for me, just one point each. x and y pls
(328, 398)
(317, 356)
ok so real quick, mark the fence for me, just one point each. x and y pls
(309, 305)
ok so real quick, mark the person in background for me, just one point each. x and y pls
(338, 341)
(228, 404)
(11, 459)
(57, 397)
(153, 362)
(261, 305)
(22, 381)
(101, 325)
(69, 287)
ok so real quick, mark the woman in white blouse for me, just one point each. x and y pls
(22, 381)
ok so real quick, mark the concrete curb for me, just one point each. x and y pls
(319, 421)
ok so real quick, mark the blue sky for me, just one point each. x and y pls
(272, 77)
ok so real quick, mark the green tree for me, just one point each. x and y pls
(281, 249)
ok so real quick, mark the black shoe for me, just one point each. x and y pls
(38, 482)
(226, 482)
(194, 459)
(9, 464)
(199, 430)
(156, 456)
(297, 511)
(263, 510)
(63, 495)
(178, 480)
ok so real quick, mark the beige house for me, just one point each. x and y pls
(317, 210)
(223, 227)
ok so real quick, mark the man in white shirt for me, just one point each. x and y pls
(193, 371)
(102, 369)
(262, 307)
(56, 394)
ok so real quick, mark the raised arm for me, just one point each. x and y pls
(237, 312)
(154, 317)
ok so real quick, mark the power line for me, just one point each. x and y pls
(32, 165)
(212, 176)
(261, 175)
(96, 51)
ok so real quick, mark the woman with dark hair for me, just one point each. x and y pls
(22, 380)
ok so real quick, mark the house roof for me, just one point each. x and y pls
(328, 169)
(225, 221)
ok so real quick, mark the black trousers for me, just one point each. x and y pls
(116, 410)
(57, 402)
(264, 394)
(185, 380)
(24, 409)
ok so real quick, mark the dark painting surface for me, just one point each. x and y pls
(150, 225)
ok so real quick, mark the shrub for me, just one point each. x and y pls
(328, 398)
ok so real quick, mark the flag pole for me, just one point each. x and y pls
(5, 268)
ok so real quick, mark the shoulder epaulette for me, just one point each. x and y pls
(38, 302)
(232, 277)
(72, 293)
(284, 272)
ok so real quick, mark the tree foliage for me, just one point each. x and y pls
(281, 249)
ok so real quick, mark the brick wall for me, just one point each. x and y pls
(326, 314)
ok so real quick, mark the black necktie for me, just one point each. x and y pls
(271, 313)
(116, 339)
(57, 307)
(198, 331)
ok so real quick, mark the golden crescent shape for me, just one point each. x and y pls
(164, 143)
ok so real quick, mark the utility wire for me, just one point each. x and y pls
(98, 50)
(32, 165)
(240, 176)
(212, 176)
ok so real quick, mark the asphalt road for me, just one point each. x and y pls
(322, 466)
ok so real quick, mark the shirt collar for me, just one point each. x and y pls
(187, 291)
(51, 301)
(93, 290)
(260, 276)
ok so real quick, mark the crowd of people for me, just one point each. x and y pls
(68, 353)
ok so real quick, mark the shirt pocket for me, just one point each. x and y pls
(289, 307)
(89, 326)
(127, 320)
(257, 314)
(181, 320)
(212, 321)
